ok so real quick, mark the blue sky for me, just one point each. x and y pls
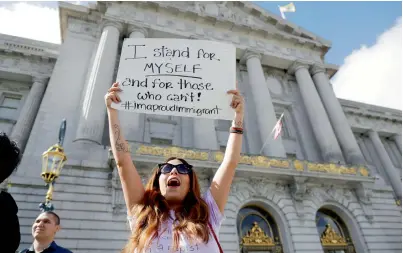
(347, 24)
(366, 40)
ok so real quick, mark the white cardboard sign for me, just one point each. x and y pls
(177, 77)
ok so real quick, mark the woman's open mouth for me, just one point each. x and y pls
(174, 182)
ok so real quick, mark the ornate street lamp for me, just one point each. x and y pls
(52, 164)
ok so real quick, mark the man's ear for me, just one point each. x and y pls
(57, 228)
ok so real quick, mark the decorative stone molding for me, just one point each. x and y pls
(117, 25)
(316, 68)
(276, 73)
(133, 28)
(223, 11)
(26, 46)
(172, 151)
(250, 54)
(298, 190)
(26, 65)
(364, 194)
(83, 27)
(296, 65)
(344, 197)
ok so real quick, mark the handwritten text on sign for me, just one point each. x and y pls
(177, 77)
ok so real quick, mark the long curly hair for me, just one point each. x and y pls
(153, 210)
(10, 156)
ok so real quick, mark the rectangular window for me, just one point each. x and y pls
(9, 106)
(161, 141)
(291, 156)
(284, 132)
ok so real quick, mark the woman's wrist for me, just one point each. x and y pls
(238, 121)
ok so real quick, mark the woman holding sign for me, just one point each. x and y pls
(169, 214)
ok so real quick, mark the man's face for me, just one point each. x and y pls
(45, 226)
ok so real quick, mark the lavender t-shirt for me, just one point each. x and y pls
(163, 244)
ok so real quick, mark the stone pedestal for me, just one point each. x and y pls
(322, 129)
(28, 112)
(337, 118)
(266, 116)
(93, 112)
(391, 172)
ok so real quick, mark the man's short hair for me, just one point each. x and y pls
(57, 218)
(10, 156)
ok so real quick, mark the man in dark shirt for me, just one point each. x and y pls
(10, 157)
(44, 230)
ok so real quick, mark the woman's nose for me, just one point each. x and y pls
(174, 171)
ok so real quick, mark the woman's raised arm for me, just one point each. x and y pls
(221, 184)
(133, 189)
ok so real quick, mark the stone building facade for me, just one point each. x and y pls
(331, 182)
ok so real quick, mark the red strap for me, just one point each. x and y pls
(215, 237)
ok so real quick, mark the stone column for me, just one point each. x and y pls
(337, 118)
(391, 172)
(322, 129)
(93, 112)
(398, 140)
(28, 112)
(204, 132)
(266, 116)
(133, 123)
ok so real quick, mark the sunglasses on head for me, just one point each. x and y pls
(181, 168)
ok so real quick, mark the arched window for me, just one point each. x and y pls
(333, 233)
(258, 231)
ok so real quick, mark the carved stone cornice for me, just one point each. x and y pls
(316, 68)
(250, 54)
(117, 25)
(133, 28)
(28, 47)
(297, 65)
(26, 65)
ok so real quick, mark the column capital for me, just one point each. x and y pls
(248, 54)
(296, 65)
(317, 68)
(133, 28)
(39, 79)
(118, 25)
